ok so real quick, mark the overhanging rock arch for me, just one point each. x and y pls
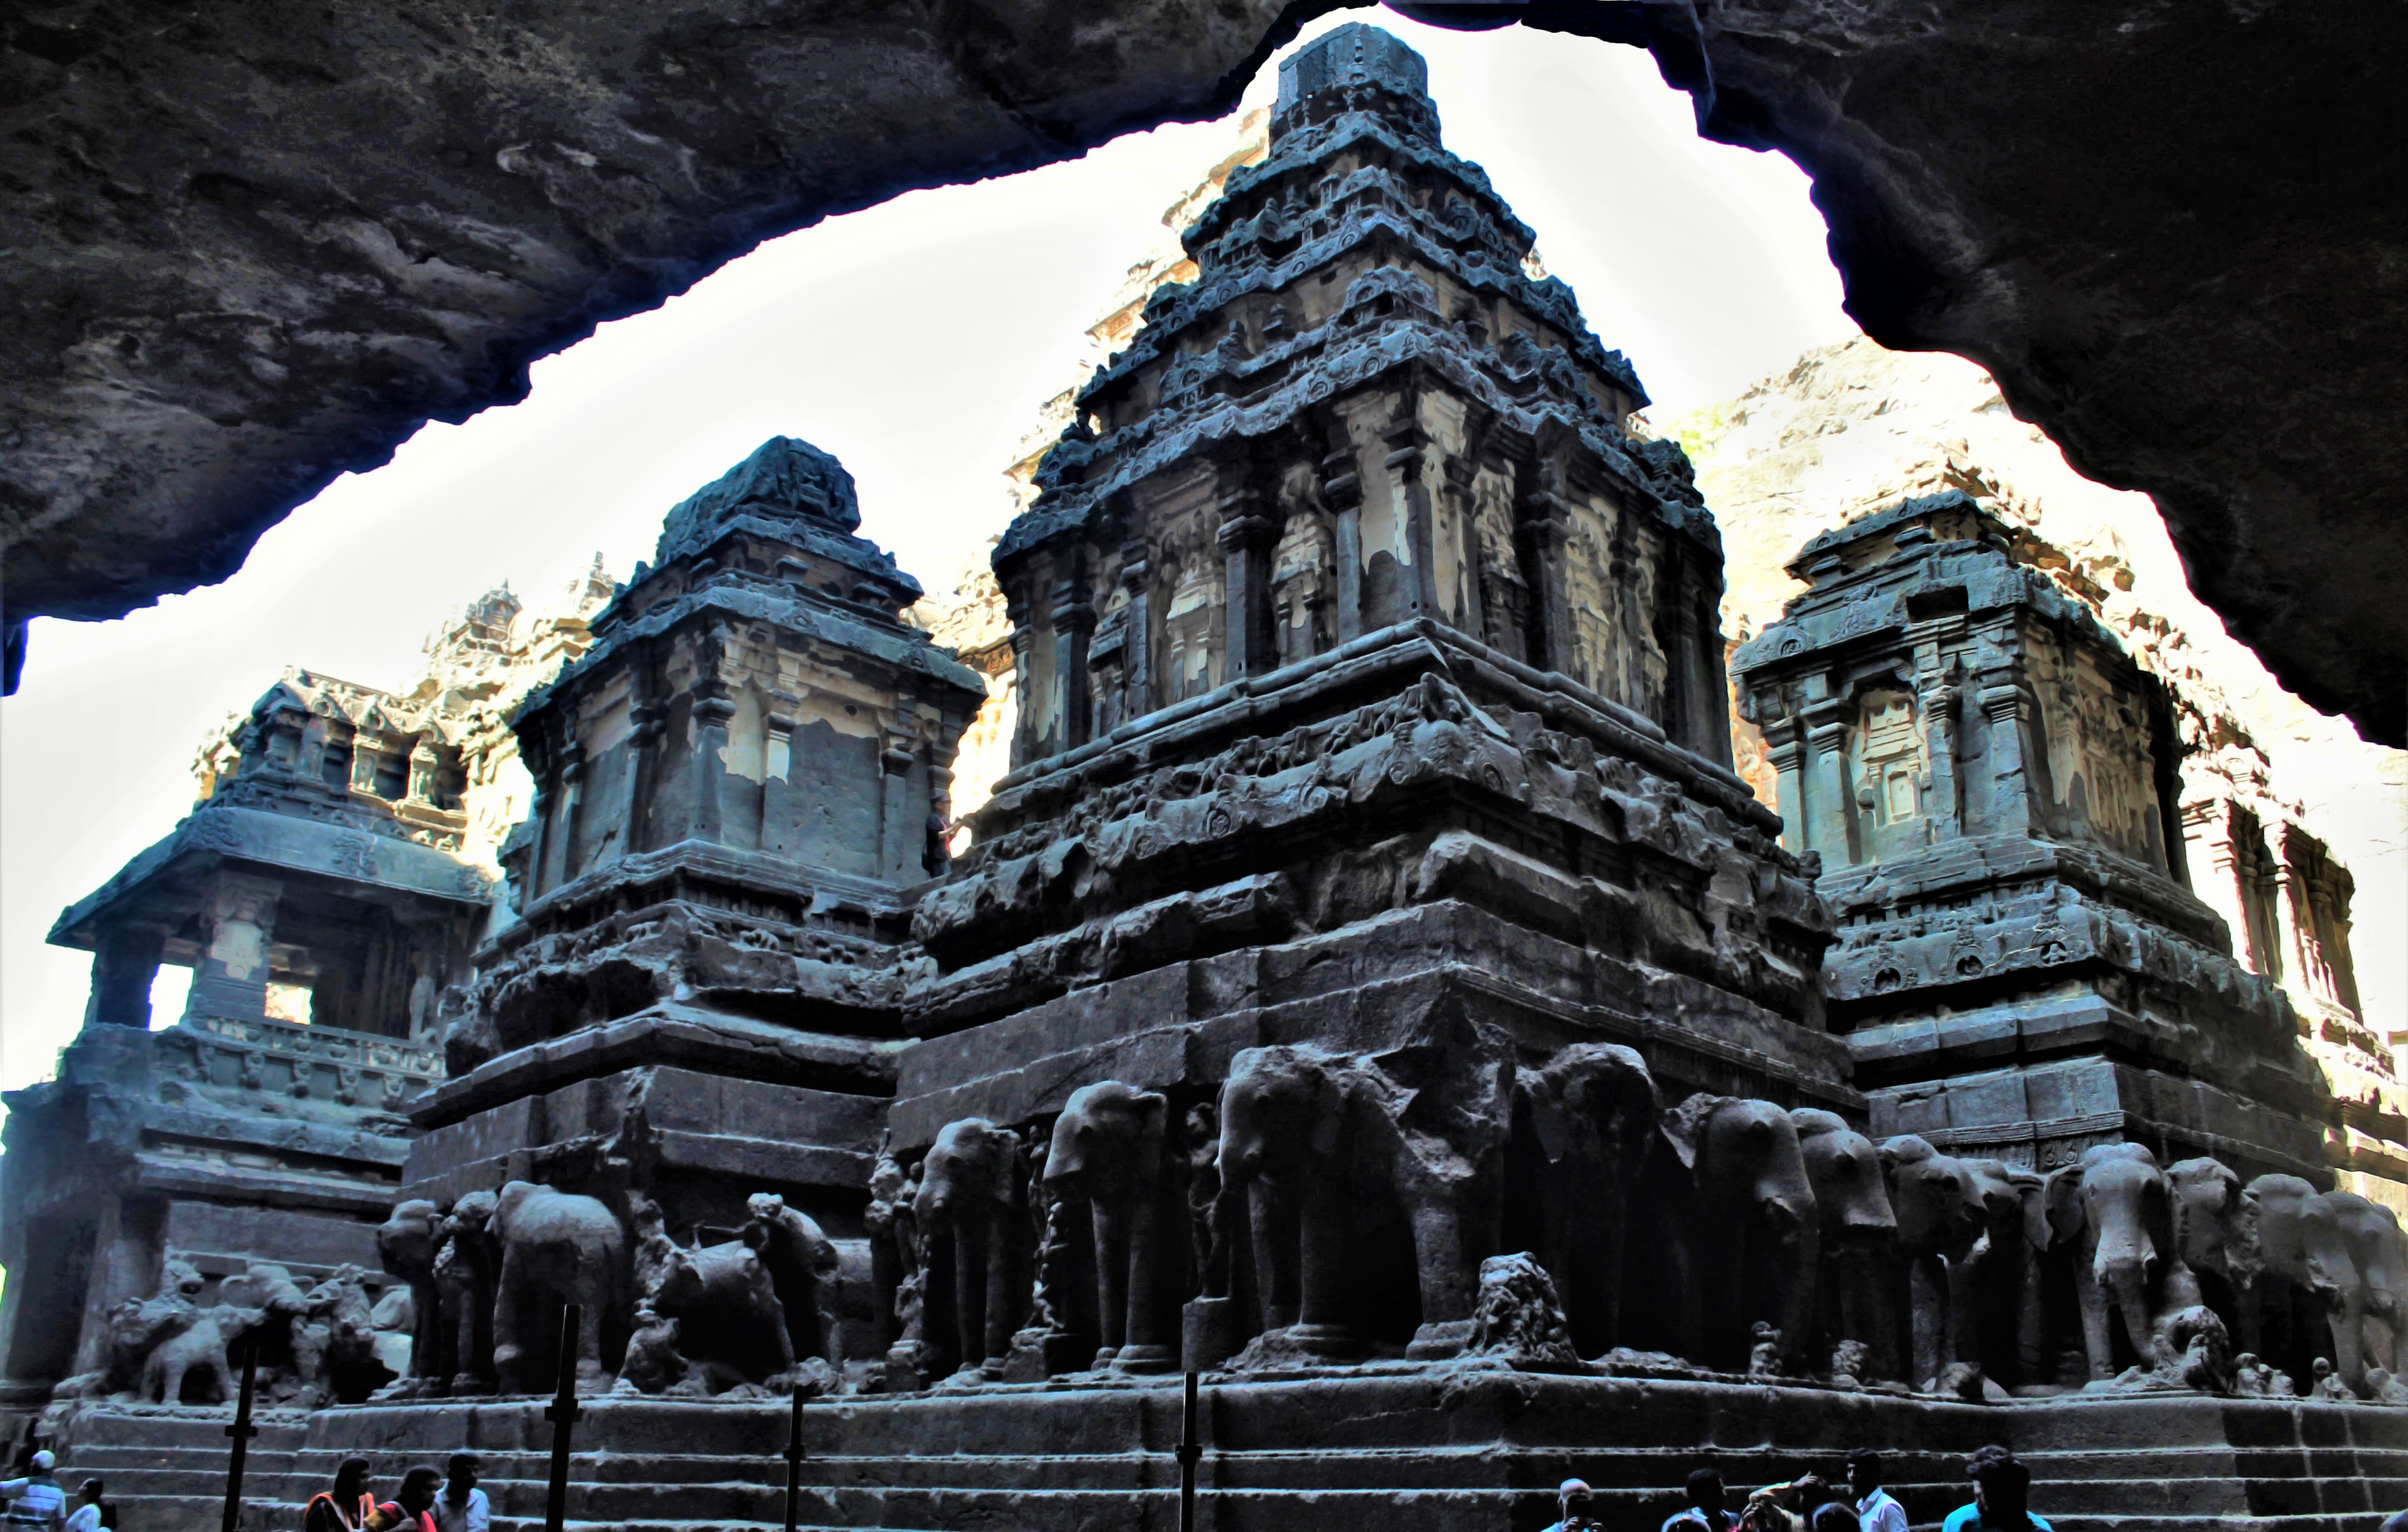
(253, 246)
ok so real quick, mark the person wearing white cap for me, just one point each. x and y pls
(1572, 1500)
(34, 1500)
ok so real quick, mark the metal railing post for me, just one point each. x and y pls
(563, 1413)
(241, 1431)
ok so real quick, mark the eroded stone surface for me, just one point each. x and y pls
(250, 251)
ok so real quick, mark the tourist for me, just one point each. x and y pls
(1784, 1507)
(1705, 1505)
(1875, 1509)
(37, 1500)
(344, 1507)
(89, 1515)
(462, 1507)
(1574, 1502)
(411, 1508)
(1834, 1516)
(2001, 1485)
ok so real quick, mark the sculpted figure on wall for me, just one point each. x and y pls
(1748, 1252)
(1858, 1242)
(969, 1215)
(1582, 1125)
(1113, 1152)
(1314, 1141)
(566, 1247)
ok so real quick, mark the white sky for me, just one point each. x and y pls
(916, 342)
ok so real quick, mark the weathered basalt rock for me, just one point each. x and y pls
(268, 259)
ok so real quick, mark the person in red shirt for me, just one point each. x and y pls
(413, 1507)
(346, 1507)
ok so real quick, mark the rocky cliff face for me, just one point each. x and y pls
(1853, 425)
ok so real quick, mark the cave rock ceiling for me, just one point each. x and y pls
(251, 246)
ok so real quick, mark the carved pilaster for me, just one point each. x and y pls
(230, 979)
(1784, 747)
(1944, 811)
(571, 812)
(899, 829)
(1341, 491)
(1408, 448)
(2007, 705)
(123, 963)
(1137, 664)
(1074, 628)
(1832, 804)
(1247, 533)
(1545, 533)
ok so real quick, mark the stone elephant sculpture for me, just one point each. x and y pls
(1113, 1151)
(1858, 1241)
(2370, 1231)
(2115, 1210)
(1749, 1238)
(1333, 1157)
(1941, 1217)
(972, 1226)
(2215, 1237)
(467, 1269)
(802, 1264)
(1998, 1285)
(1582, 1125)
(2307, 1265)
(407, 1243)
(560, 1245)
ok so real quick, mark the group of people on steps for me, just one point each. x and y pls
(2002, 1490)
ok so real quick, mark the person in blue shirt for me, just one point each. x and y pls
(1705, 1512)
(2002, 1487)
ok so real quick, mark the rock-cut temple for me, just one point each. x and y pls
(1370, 990)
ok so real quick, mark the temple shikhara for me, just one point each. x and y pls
(1375, 984)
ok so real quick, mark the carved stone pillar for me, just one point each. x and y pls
(2006, 703)
(1545, 533)
(1407, 446)
(1028, 718)
(1459, 469)
(1247, 534)
(1136, 662)
(646, 721)
(1341, 491)
(1074, 628)
(122, 966)
(537, 748)
(1784, 747)
(1945, 810)
(1831, 802)
(899, 829)
(568, 815)
(231, 977)
(712, 711)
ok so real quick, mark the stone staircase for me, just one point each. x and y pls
(1401, 1449)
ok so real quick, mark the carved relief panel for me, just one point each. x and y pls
(1303, 565)
(1893, 768)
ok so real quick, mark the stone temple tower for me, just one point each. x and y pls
(1373, 707)
(737, 790)
(2022, 970)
